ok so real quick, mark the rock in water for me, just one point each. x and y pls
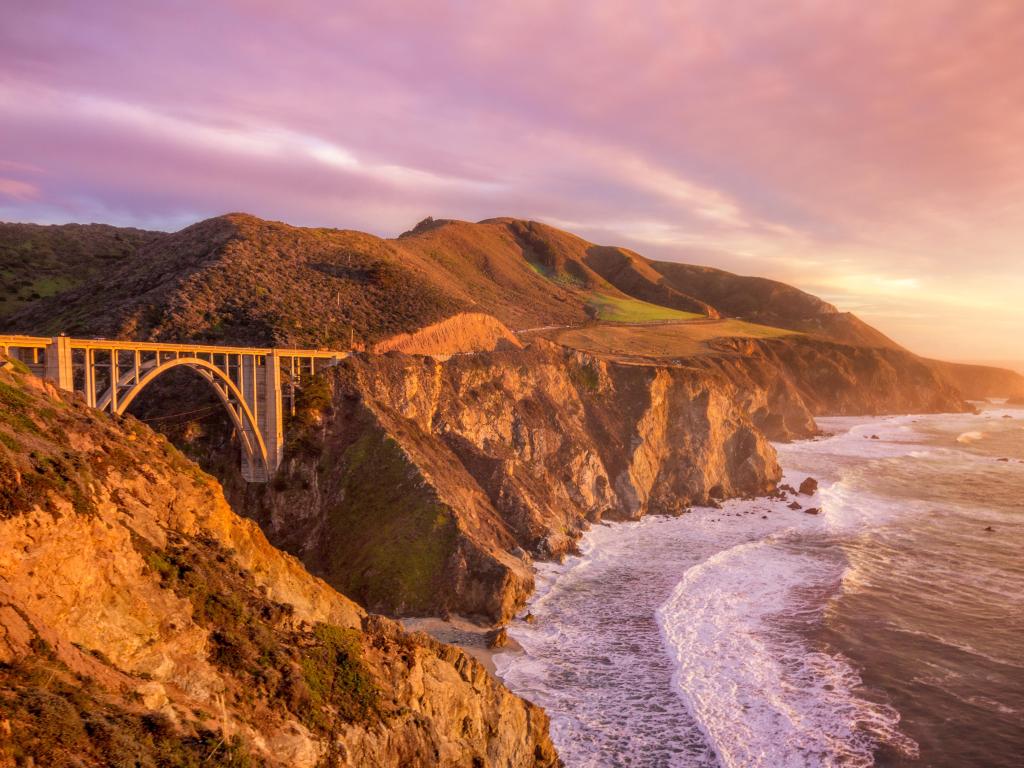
(809, 487)
(497, 637)
(812, 511)
(796, 505)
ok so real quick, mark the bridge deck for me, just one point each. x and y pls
(39, 342)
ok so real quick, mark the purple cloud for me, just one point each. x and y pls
(869, 153)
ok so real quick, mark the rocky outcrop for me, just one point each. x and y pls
(142, 622)
(463, 333)
(422, 486)
(980, 382)
(788, 380)
(427, 486)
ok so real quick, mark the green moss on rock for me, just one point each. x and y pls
(393, 535)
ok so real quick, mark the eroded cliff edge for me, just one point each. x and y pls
(142, 622)
(424, 486)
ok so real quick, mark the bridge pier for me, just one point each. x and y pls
(58, 363)
(271, 414)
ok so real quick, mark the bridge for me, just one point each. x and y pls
(254, 384)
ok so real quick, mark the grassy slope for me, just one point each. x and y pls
(41, 261)
(668, 340)
(619, 309)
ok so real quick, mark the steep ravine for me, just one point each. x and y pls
(144, 623)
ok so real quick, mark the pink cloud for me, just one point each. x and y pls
(18, 190)
(808, 142)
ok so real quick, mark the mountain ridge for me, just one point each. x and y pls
(240, 279)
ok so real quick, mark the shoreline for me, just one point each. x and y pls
(466, 634)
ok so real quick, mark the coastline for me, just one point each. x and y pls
(749, 569)
(465, 633)
(754, 570)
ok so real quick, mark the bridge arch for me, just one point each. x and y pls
(249, 381)
(254, 447)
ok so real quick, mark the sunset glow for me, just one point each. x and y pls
(873, 155)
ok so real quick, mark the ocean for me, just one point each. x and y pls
(887, 630)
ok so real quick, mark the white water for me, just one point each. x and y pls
(684, 641)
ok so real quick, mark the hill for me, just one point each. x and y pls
(37, 261)
(980, 382)
(143, 623)
(237, 278)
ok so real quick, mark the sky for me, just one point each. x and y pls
(870, 153)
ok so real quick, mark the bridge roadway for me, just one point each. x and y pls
(253, 383)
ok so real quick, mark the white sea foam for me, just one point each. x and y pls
(734, 596)
(970, 437)
(759, 694)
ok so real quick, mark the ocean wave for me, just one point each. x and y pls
(970, 437)
(762, 696)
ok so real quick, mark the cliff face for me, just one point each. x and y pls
(979, 382)
(798, 375)
(421, 486)
(142, 622)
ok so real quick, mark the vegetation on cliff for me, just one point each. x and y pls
(143, 623)
(37, 262)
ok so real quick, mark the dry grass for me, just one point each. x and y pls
(668, 340)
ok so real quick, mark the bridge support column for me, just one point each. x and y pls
(58, 363)
(271, 416)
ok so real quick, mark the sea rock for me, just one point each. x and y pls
(497, 637)
(796, 505)
(812, 511)
(809, 486)
(1003, 459)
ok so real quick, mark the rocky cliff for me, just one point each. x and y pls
(421, 486)
(143, 623)
(801, 375)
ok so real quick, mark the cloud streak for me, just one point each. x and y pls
(831, 144)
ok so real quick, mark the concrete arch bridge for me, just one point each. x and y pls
(254, 384)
